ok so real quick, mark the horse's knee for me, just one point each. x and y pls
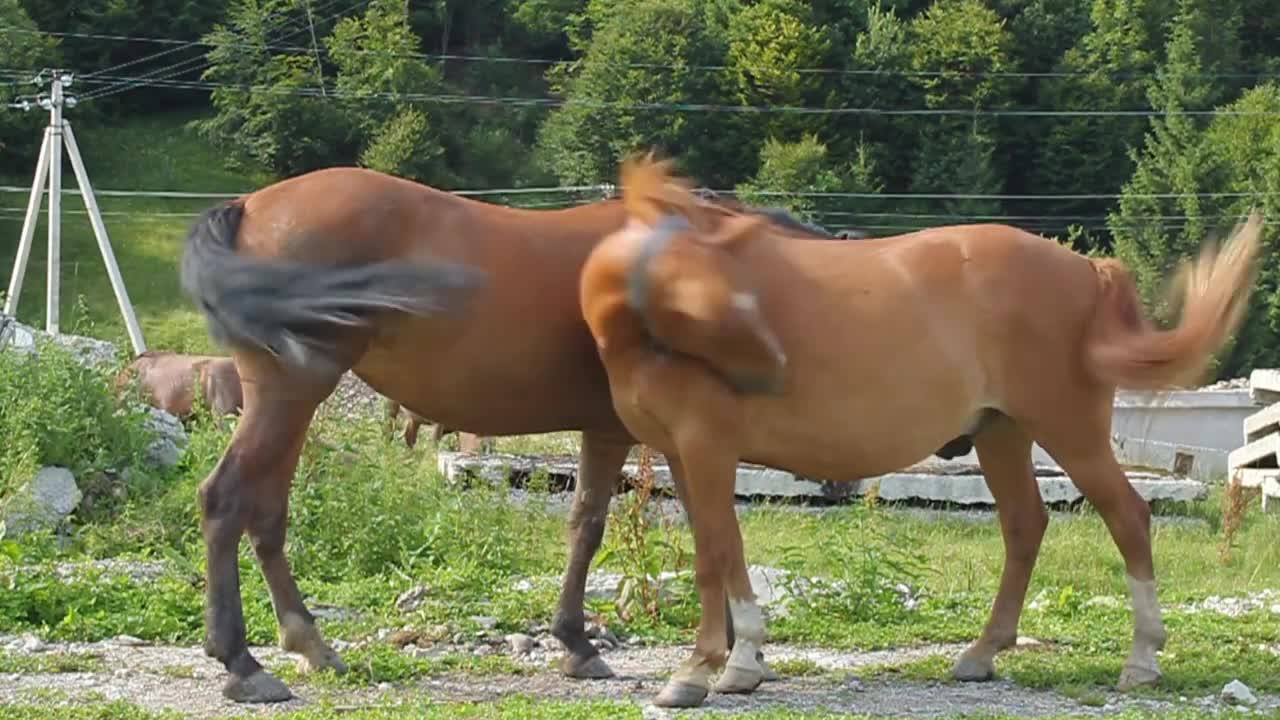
(220, 493)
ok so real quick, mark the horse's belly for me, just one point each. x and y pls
(867, 435)
(492, 383)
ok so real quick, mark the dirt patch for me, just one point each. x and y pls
(182, 679)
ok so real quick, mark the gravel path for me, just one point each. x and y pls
(182, 679)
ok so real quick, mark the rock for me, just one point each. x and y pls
(522, 586)
(653, 712)
(482, 651)
(412, 599)
(129, 641)
(519, 643)
(43, 503)
(332, 612)
(1238, 693)
(769, 586)
(485, 622)
(32, 644)
(437, 633)
(90, 352)
(401, 638)
(170, 439)
(1027, 642)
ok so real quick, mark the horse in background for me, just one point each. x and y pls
(169, 381)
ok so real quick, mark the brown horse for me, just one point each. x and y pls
(169, 380)
(726, 342)
(467, 442)
(323, 272)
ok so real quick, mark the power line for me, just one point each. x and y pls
(551, 102)
(1012, 74)
(145, 81)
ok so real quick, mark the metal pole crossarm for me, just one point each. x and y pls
(57, 136)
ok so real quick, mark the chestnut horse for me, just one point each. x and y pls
(726, 342)
(331, 270)
(467, 442)
(169, 380)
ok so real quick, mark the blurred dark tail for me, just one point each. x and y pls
(292, 309)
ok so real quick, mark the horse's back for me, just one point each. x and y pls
(925, 331)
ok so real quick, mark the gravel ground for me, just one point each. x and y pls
(182, 679)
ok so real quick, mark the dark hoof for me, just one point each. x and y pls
(591, 668)
(677, 694)
(260, 687)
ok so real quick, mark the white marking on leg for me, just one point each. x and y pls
(1148, 628)
(748, 630)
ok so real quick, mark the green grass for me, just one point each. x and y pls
(49, 663)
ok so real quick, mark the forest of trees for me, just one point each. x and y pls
(1161, 118)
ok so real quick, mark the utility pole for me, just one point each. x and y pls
(49, 168)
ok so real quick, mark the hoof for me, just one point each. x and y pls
(328, 659)
(737, 679)
(678, 694)
(969, 669)
(1135, 677)
(260, 687)
(591, 668)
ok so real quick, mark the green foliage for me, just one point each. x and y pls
(806, 166)
(960, 48)
(23, 52)
(1236, 154)
(962, 45)
(376, 68)
(179, 20)
(263, 112)
(1082, 155)
(770, 43)
(584, 141)
(56, 411)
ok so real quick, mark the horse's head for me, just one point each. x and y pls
(687, 280)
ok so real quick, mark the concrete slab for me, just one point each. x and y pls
(934, 480)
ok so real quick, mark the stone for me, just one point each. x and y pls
(519, 643)
(170, 439)
(41, 504)
(402, 638)
(32, 644)
(90, 352)
(129, 641)
(959, 482)
(412, 599)
(482, 651)
(1238, 693)
(485, 622)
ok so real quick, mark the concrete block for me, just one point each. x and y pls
(934, 481)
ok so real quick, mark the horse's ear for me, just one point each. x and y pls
(737, 229)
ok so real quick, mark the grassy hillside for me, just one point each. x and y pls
(156, 153)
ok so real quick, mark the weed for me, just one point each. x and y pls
(641, 554)
(1234, 503)
(54, 410)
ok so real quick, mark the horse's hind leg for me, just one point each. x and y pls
(599, 464)
(249, 490)
(1004, 452)
(1081, 444)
